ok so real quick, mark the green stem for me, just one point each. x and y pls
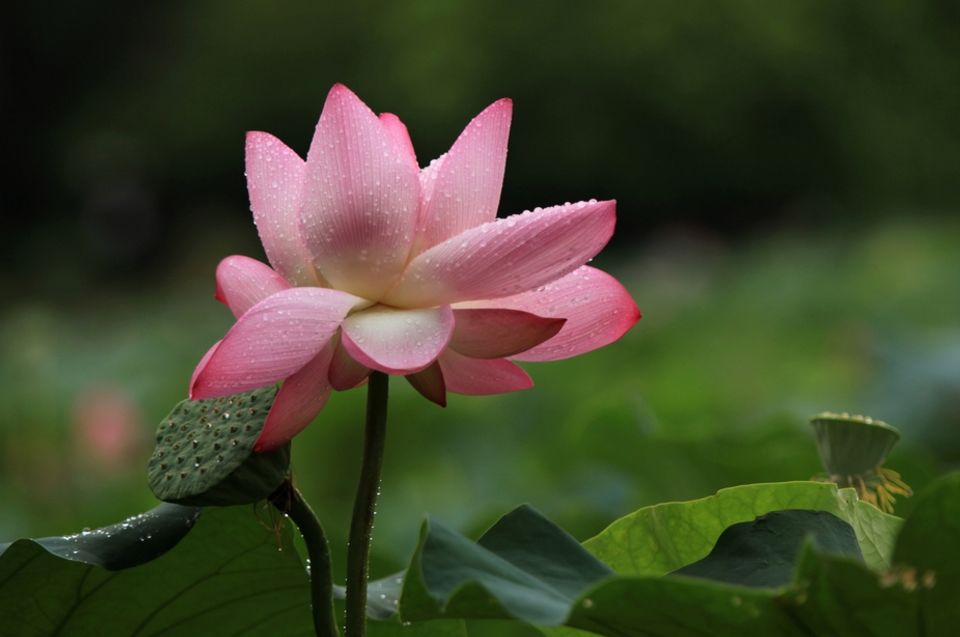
(364, 506)
(290, 501)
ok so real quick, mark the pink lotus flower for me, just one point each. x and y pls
(381, 265)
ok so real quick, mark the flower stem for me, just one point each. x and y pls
(364, 506)
(290, 501)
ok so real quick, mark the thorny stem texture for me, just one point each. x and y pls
(364, 505)
(290, 501)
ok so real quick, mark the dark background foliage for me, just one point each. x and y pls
(125, 120)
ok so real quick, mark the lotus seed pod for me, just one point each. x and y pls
(853, 449)
(204, 453)
(851, 445)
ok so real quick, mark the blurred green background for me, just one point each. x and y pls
(788, 183)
